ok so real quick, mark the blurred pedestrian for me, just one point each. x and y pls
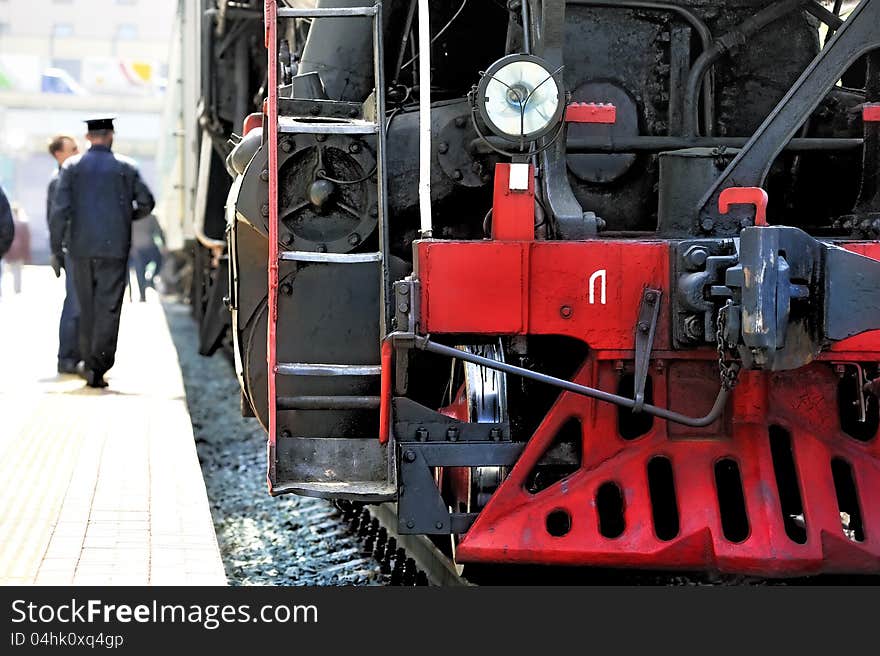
(147, 241)
(62, 147)
(19, 254)
(7, 226)
(99, 195)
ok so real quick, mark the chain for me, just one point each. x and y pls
(728, 368)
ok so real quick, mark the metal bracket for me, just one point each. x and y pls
(649, 310)
(420, 506)
(415, 422)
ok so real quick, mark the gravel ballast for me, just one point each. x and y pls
(286, 540)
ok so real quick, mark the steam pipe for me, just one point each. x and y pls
(724, 44)
(698, 25)
(425, 344)
(427, 227)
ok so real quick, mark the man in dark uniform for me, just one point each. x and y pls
(62, 147)
(99, 194)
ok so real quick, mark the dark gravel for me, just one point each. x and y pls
(287, 540)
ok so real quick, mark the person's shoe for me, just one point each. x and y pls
(95, 379)
(67, 366)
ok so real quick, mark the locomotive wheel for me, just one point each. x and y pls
(481, 397)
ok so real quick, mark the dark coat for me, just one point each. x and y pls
(98, 195)
(7, 227)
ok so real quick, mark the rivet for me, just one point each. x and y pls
(442, 147)
(409, 455)
(565, 312)
(354, 148)
(264, 175)
(354, 239)
(410, 523)
(438, 525)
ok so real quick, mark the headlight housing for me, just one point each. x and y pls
(519, 98)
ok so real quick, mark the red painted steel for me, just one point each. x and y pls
(591, 113)
(871, 113)
(586, 290)
(385, 393)
(745, 196)
(513, 210)
(271, 18)
(590, 290)
(513, 526)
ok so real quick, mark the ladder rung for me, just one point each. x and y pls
(329, 258)
(289, 125)
(309, 369)
(328, 402)
(325, 12)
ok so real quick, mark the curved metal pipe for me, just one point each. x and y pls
(426, 344)
(690, 17)
(724, 44)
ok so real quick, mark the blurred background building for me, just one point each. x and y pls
(63, 60)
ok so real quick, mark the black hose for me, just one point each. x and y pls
(737, 37)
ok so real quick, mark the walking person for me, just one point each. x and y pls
(146, 253)
(99, 195)
(19, 254)
(62, 147)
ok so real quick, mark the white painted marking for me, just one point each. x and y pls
(598, 276)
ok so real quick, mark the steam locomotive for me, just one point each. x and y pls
(583, 282)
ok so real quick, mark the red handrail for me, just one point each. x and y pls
(272, 136)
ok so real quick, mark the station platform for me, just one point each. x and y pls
(97, 487)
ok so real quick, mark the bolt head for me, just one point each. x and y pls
(708, 225)
(403, 307)
(643, 327)
(286, 145)
(442, 147)
(354, 239)
(566, 312)
(409, 455)
(410, 523)
(460, 121)
(354, 148)
(651, 298)
(457, 175)
(438, 525)
(264, 175)
(264, 209)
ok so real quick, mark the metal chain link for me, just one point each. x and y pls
(727, 367)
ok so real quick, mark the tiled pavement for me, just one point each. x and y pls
(97, 487)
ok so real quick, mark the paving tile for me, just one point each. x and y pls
(125, 503)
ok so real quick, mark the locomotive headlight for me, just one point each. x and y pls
(519, 98)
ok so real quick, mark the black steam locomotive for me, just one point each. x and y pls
(585, 282)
